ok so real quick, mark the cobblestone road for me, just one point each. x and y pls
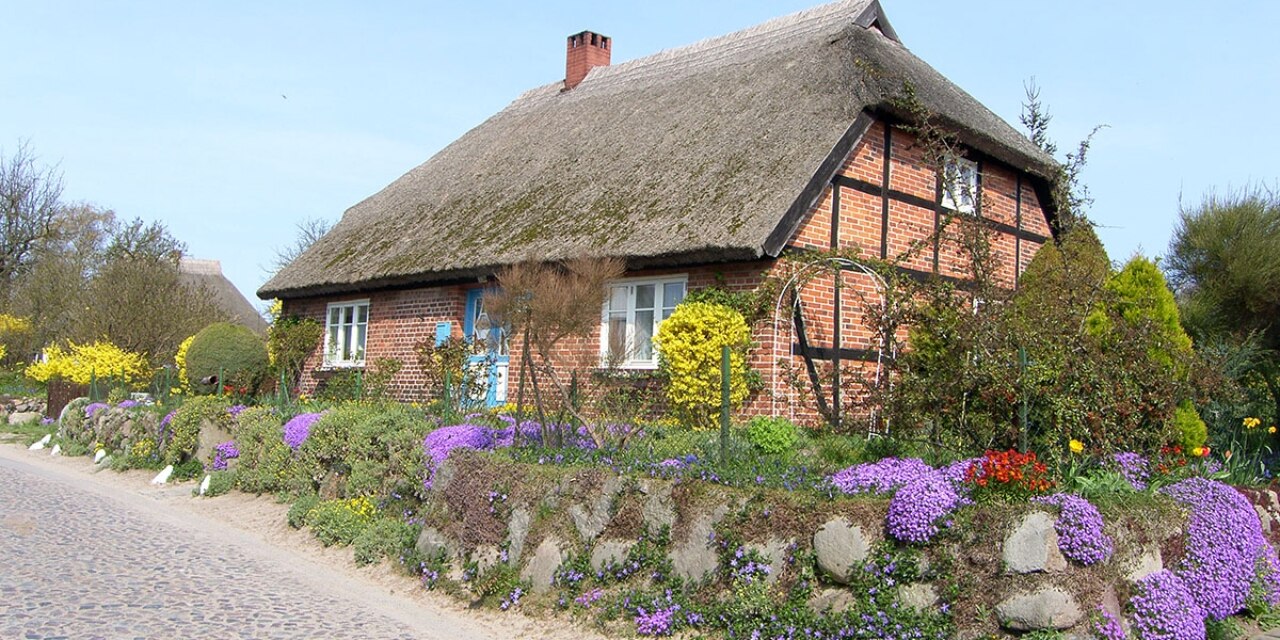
(79, 562)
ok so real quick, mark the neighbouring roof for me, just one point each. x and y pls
(692, 154)
(208, 274)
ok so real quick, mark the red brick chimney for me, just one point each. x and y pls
(585, 50)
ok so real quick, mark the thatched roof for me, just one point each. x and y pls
(206, 275)
(690, 155)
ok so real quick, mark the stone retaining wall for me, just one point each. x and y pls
(1000, 570)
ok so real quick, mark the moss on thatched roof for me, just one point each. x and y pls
(689, 155)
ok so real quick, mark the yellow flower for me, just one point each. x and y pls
(1076, 446)
(1272, 429)
(1251, 422)
(1197, 451)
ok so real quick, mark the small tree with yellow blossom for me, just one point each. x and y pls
(13, 330)
(81, 363)
(689, 345)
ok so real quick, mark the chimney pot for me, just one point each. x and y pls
(584, 51)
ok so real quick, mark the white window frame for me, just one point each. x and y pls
(660, 307)
(960, 185)
(356, 357)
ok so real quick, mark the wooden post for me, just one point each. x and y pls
(724, 405)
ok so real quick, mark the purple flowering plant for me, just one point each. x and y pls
(1079, 527)
(224, 452)
(1227, 556)
(94, 408)
(1164, 609)
(298, 428)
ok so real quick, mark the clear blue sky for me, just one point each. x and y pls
(233, 121)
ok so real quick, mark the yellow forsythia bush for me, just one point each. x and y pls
(81, 362)
(689, 346)
(180, 359)
(12, 328)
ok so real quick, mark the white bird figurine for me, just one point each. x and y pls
(39, 444)
(163, 476)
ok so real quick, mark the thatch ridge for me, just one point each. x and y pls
(695, 153)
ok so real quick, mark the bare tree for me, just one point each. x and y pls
(51, 292)
(29, 195)
(545, 303)
(137, 298)
(309, 231)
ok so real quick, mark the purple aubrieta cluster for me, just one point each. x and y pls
(440, 443)
(1164, 609)
(658, 622)
(922, 507)
(882, 477)
(224, 452)
(1133, 467)
(236, 410)
(128, 404)
(1106, 626)
(1079, 527)
(1226, 549)
(91, 409)
(298, 428)
(922, 499)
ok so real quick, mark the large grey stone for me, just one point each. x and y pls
(486, 557)
(542, 566)
(831, 601)
(211, 435)
(917, 595)
(610, 551)
(434, 544)
(775, 552)
(1147, 563)
(1046, 608)
(1033, 546)
(592, 517)
(23, 417)
(694, 557)
(838, 545)
(517, 531)
(659, 510)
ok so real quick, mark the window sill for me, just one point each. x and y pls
(340, 366)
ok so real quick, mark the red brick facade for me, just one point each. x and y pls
(399, 319)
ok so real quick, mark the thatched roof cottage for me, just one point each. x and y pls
(704, 164)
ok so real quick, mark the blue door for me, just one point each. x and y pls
(494, 362)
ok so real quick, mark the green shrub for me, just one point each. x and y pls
(1190, 428)
(300, 509)
(774, 436)
(290, 340)
(229, 350)
(266, 463)
(340, 521)
(384, 538)
(220, 482)
(184, 428)
(72, 425)
(369, 449)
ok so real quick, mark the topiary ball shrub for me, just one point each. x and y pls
(774, 436)
(229, 350)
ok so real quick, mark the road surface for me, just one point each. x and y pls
(83, 557)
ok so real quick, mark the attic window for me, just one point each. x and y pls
(960, 185)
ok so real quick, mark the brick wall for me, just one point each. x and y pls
(399, 319)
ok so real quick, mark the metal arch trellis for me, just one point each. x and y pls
(791, 284)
